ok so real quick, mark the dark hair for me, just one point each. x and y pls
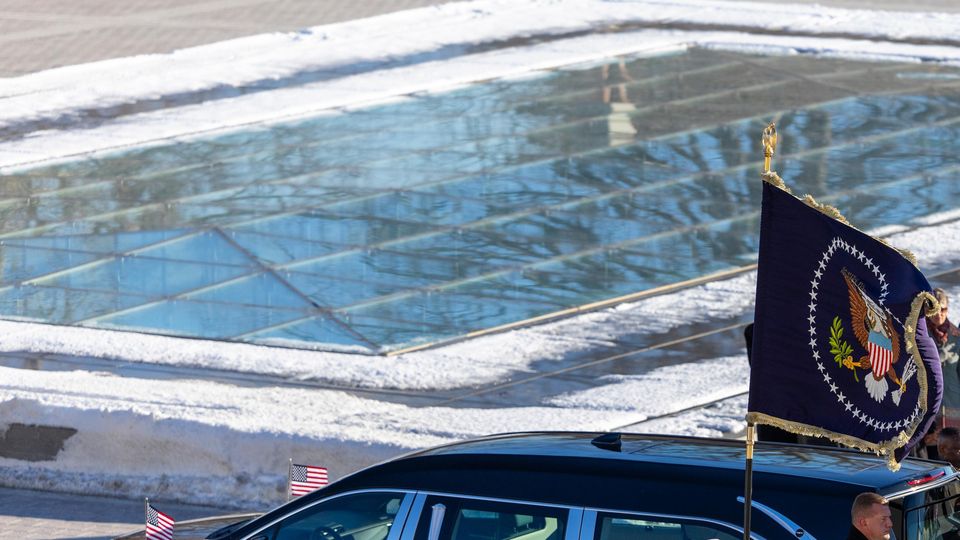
(950, 433)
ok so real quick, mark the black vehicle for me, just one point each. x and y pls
(590, 486)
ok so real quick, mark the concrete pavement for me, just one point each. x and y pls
(42, 34)
(35, 515)
(944, 6)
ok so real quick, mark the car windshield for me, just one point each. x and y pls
(934, 514)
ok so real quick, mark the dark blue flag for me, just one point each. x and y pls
(840, 346)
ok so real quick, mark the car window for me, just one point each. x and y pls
(358, 516)
(469, 519)
(617, 527)
(937, 517)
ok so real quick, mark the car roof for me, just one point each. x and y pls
(823, 463)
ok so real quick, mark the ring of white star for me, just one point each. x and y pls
(849, 407)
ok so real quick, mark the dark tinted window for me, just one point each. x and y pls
(622, 527)
(467, 519)
(360, 516)
(935, 514)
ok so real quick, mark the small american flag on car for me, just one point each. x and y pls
(306, 478)
(159, 525)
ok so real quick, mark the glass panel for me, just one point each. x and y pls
(62, 306)
(334, 290)
(362, 516)
(417, 207)
(21, 264)
(660, 528)
(482, 248)
(555, 291)
(521, 188)
(369, 274)
(456, 313)
(468, 519)
(877, 162)
(307, 333)
(207, 246)
(144, 276)
(938, 517)
(198, 319)
(271, 249)
(390, 334)
(393, 175)
(115, 243)
(319, 226)
(261, 290)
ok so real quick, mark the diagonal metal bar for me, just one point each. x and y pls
(276, 275)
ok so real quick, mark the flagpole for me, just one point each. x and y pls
(146, 511)
(748, 482)
(289, 473)
(769, 141)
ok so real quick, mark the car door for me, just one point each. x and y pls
(454, 517)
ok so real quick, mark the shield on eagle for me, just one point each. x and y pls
(881, 354)
(873, 326)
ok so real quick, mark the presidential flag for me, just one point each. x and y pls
(306, 478)
(159, 525)
(840, 344)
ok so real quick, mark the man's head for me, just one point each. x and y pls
(871, 516)
(948, 445)
(941, 295)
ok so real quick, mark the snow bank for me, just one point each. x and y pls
(212, 443)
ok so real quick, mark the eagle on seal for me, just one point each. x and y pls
(875, 332)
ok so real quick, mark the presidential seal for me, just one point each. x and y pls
(861, 333)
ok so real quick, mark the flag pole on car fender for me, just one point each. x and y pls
(769, 141)
(748, 482)
(289, 474)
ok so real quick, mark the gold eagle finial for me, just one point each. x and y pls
(769, 141)
(769, 145)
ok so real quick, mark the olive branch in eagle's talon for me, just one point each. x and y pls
(842, 351)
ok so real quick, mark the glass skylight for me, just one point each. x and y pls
(440, 215)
